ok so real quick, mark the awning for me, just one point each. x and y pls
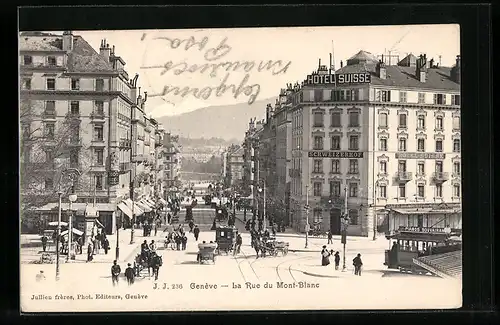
(125, 209)
(75, 231)
(137, 211)
(143, 206)
(54, 224)
(163, 201)
(425, 211)
(151, 203)
(147, 203)
(99, 224)
(79, 207)
(91, 211)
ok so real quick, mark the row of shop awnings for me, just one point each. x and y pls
(136, 208)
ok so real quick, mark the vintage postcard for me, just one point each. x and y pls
(240, 169)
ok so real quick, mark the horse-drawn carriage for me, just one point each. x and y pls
(206, 252)
(225, 237)
(148, 260)
(268, 246)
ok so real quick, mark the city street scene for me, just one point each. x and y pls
(193, 170)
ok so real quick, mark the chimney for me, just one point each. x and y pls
(341, 64)
(319, 64)
(67, 41)
(268, 112)
(104, 50)
(421, 71)
(455, 71)
(381, 70)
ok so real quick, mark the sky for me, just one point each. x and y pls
(146, 52)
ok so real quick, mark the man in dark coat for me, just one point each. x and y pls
(115, 272)
(337, 260)
(330, 237)
(357, 265)
(196, 232)
(44, 242)
(129, 274)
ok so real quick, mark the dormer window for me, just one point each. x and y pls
(52, 61)
(439, 99)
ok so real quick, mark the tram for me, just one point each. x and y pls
(409, 243)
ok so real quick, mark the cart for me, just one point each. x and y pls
(206, 252)
(282, 247)
(225, 237)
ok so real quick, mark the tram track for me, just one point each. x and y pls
(277, 268)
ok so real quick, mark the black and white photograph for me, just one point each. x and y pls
(240, 169)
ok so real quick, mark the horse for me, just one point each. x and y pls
(141, 262)
(155, 262)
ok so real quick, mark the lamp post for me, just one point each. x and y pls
(72, 198)
(117, 250)
(58, 232)
(263, 189)
(307, 215)
(345, 224)
(375, 219)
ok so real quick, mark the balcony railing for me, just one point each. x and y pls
(404, 176)
(334, 200)
(440, 177)
(73, 115)
(97, 115)
(49, 115)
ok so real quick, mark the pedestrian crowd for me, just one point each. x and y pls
(325, 260)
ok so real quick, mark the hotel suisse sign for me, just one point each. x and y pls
(420, 155)
(345, 78)
(335, 154)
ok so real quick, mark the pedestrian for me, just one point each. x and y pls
(44, 242)
(156, 229)
(196, 232)
(330, 237)
(40, 276)
(325, 257)
(79, 245)
(94, 245)
(115, 272)
(178, 240)
(62, 240)
(130, 274)
(152, 246)
(184, 242)
(90, 252)
(105, 245)
(239, 242)
(169, 217)
(98, 239)
(337, 260)
(357, 264)
(273, 229)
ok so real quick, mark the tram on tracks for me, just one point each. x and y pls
(409, 243)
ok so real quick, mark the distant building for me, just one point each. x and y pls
(234, 166)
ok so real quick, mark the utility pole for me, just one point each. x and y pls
(307, 215)
(345, 223)
(58, 238)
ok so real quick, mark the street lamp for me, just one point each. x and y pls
(58, 235)
(263, 190)
(307, 215)
(345, 225)
(72, 198)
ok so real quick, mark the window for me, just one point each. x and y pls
(456, 190)
(421, 98)
(383, 144)
(420, 145)
(26, 131)
(420, 191)
(402, 191)
(402, 96)
(336, 166)
(318, 95)
(73, 159)
(353, 166)
(318, 143)
(52, 61)
(402, 144)
(317, 189)
(49, 183)
(75, 107)
(354, 119)
(439, 166)
(456, 145)
(382, 120)
(439, 99)
(385, 95)
(383, 167)
(353, 142)
(318, 119)
(75, 84)
(50, 107)
(317, 215)
(421, 168)
(456, 168)
(98, 133)
(439, 123)
(402, 166)
(335, 145)
(28, 60)
(439, 190)
(75, 134)
(50, 130)
(51, 84)
(99, 107)
(335, 188)
(455, 99)
(98, 182)
(439, 145)
(26, 84)
(99, 84)
(402, 121)
(353, 189)
(421, 122)
(49, 156)
(335, 120)
(99, 156)
(383, 191)
(353, 217)
(456, 122)
(318, 166)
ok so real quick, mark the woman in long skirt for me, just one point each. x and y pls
(325, 256)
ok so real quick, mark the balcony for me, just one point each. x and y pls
(98, 142)
(404, 177)
(440, 177)
(125, 144)
(97, 115)
(332, 200)
(73, 115)
(456, 175)
(49, 115)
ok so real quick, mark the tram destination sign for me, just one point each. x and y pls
(335, 154)
(420, 155)
(338, 79)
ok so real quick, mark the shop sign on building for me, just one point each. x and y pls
(335, 154)
(113, 177)
(334, 79)
(420, 155)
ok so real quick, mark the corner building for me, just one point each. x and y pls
(387, 137)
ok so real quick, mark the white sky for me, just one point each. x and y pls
(303, 46)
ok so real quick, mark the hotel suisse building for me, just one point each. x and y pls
(76, 113)
(386, 137)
